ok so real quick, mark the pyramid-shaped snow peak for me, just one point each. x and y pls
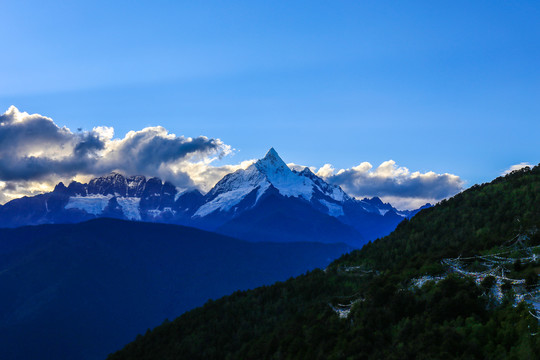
(272, 163)
(282, 178)
(260, 176)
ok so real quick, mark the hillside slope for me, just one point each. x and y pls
(364, 305)
(80, 291)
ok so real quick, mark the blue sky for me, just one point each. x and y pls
(449, 86)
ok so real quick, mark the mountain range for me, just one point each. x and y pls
(268, 201)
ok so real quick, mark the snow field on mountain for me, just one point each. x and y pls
(224, 202)
(130, 207)
(333, 209)
(92, 204)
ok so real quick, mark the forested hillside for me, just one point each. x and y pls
(364, 305)
(480, 218)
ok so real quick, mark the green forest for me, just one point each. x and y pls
(454, 318)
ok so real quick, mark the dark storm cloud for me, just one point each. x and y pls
(88, 145)
(16, 129)
(146, 150)
(34, 147)
(9, 186)
(34, 168)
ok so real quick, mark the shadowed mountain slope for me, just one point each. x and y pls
(80, 291)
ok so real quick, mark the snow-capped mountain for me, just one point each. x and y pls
(132, 198)
(239, 195)
(114, 195)
(265, 202)
(244, 188)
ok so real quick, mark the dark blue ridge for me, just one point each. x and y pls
(81, 291)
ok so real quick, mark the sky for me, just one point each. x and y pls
(412, 101)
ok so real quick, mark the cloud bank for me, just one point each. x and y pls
(36, 153)
(394, 184)
(34, 147)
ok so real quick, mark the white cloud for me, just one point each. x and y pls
(393, 183)
(16, 189)
(517, 167)
(34, 148)
(36, 154)
(204, 175)
(325, 171)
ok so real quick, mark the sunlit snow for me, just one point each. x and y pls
(271, 170)
(232, 189)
